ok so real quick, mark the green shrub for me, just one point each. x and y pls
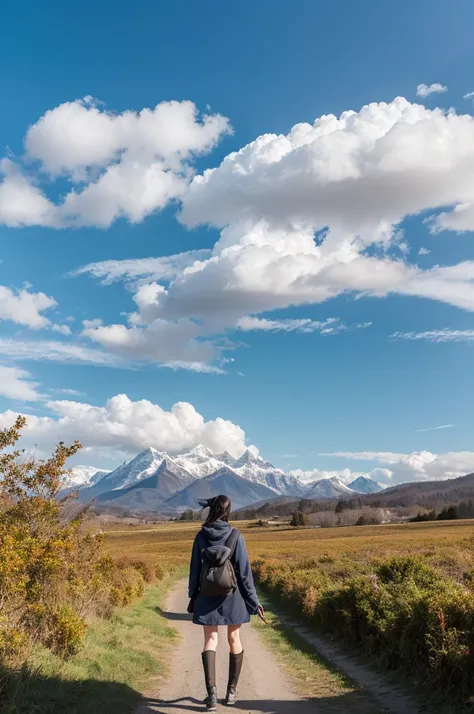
(405, 613)
(66, 631)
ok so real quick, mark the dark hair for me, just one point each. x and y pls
(219, 509)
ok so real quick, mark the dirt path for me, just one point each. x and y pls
(264, 686)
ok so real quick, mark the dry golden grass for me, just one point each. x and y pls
(372, 586)
(448, 545)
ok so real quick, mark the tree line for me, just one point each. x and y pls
(464, 509)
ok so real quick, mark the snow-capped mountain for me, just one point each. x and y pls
(255, 469)
(241, 491)
(197, 463)
(363, 484)
(328, 488)
(149, 493)
(200, 461)
(131, 472)
(226, 458)
(83, 477)
(141, 467)
(153, 476)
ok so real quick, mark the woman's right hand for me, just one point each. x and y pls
(261, 614)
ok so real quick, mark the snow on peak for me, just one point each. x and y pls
(226, 458)
(332, 487)
(201, 462)
(83, 476)
(247, 458)
(202, 451)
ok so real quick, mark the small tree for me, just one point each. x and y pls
(49, 571)
(298, 519)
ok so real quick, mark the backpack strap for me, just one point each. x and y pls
(231, 542)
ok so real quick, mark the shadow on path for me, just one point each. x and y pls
(321, 705)
(28, 692)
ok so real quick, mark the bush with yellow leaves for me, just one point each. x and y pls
(53, 576)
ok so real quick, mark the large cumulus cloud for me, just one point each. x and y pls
(125, 164)
(129, 426)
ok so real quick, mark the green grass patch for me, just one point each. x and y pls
(119, 658)
(313, 677)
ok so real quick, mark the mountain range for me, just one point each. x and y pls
(154, 481)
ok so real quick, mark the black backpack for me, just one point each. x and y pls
(217, 572)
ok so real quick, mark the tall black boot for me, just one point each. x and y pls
(235, 667)
(209, 664)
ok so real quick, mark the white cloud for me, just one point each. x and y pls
(353, 180)
(359, 175)
(21, 202)
(424, 90)
(62, 329)
(130, 426)
(52, 351)
(424, 251)
(160, 341)
(419, 465)
(15, 384)
(249, 324)
(437, 428)
(326, 327)
(121, 165)
(346, 475)
(349, 182)
(460, 219)
(25, 308)
(133, 269)
(469, 95)
(444, 335)
(176, 365)
(76, 136)
(77, 353)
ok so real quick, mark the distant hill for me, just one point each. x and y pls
(365, 485)
(426, 494)
(328, 488)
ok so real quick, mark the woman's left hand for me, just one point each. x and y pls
(190, 607)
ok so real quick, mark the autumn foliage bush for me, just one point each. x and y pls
(405, 613)
(53, 575)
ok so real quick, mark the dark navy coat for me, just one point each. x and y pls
(234, 608)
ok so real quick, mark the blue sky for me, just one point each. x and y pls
(356, 390)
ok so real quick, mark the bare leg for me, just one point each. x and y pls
(211, 638)
(233, 638)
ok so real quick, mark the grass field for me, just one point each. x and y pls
(120, 656)
(447, 545)
(403, 594)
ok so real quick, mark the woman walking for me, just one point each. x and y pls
(221, 592)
